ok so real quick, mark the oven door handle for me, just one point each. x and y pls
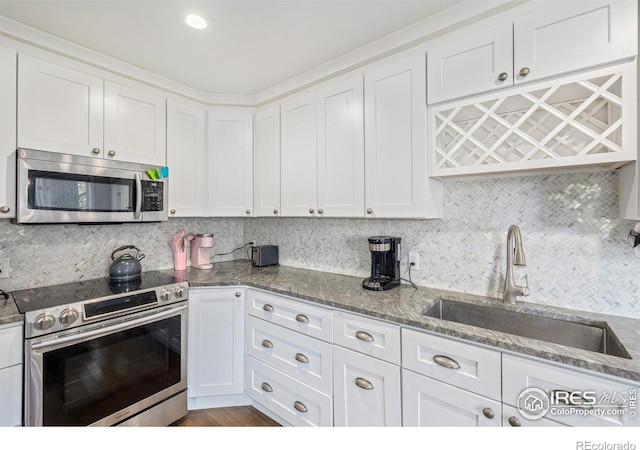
(85, 336)
(138, 181)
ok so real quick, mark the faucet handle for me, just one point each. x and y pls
(525, 289)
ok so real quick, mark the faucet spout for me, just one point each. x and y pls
(515, 256)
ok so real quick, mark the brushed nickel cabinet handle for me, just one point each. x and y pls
(503, 76)
(238, 294)
(369, 211)
(111, 153)
(514, 422)
(364, 336)
(302, 358)
(572, 399)
(524, 71)
(311, 211)
(266, 387)
(267, 344)
(248, 211)
(364, 384)
(488, 413)
(302, 318)
(320, 211)
(275, 211)
(300, 406)
(173, 211)
(446, 362)
(267, 307)
(4, 209)
(95, 151)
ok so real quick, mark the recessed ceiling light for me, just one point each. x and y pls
(194, 19)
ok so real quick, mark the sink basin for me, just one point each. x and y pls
(595, 337)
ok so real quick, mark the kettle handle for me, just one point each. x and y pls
(124, 247)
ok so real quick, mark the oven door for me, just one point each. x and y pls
(109, 373)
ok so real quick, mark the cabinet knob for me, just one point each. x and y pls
(300, 406)
(364, 336)
(267, 307)
(173, 211)
(514, 422)
(364, 383)
(311, 211)
(111, 153)
(248, 211)
(369, 211)
(488, 413)
(266, 387)
(238, 294)
(4, 209)
(302, 318)
(275, 211)
(267, 344)
(95, 151)
(524, 71)
(320, 211)
(503, 76)
(302, 358)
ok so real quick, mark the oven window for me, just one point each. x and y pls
(76, 192)
(89, 381)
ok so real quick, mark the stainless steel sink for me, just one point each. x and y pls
(595, 337)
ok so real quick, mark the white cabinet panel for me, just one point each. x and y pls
(11, 342)
(216, 342)
(266, 194)
(59, 109)
(8, 64)
(430, 403)
(368, 336)
(298, 152)
(366, 390)
(230, 173)
(134, 125)
(186, 160)
(11, 396)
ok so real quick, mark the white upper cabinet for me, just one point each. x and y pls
(298, 152)
(134, 125)
(7, 133)
(341, 149)
(396, 184)
(547, 40)
(230, 165)
(185, 158)
(68, 111)
(266, 194)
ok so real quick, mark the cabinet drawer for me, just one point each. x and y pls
(601, 394)
(430, 403)
(10, 346)
(369, 336)
(295, 402)
(291, 313)
(304, 358)
(464, 365)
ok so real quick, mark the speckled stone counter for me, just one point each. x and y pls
(9, 311)
(406, 306)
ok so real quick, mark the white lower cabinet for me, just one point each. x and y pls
(430, 403)
(11, 340)
(366, 390)
(216, 344)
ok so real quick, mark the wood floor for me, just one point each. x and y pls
(236, 416)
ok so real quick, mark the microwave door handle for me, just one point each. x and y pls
(138, 210)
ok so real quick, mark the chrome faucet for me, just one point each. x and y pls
(515, 256)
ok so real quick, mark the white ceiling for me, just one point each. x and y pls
(248, 46)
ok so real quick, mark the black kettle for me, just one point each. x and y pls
(125, 267)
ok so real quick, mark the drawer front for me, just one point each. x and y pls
(430, 403)
(463, 365)
(304, 358)
(369, 336)
(294, 314)
(295, 402)
(609, 402)
(11, 346)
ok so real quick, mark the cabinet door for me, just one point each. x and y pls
(430, 403)
(366, 390)
(216, 342)
(341, 149)
(298, 156)
(11, 396)
(134, 125)
(230, 164)
(591, 32)
(395, 142)
(59, 109)
(186, 160)
(266, 194)
(7, 133)
(475, 59)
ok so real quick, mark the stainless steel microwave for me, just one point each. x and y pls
(60, 188)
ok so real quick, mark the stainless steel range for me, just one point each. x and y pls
(99, 353)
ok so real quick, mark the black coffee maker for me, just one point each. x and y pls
(385, 263)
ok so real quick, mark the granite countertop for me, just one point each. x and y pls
(405, 305)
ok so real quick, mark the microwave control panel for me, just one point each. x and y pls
(152, 195)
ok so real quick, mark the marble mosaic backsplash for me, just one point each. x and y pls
(575, 245)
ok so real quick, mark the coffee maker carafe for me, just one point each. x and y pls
(385, 263)
(200, 258)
